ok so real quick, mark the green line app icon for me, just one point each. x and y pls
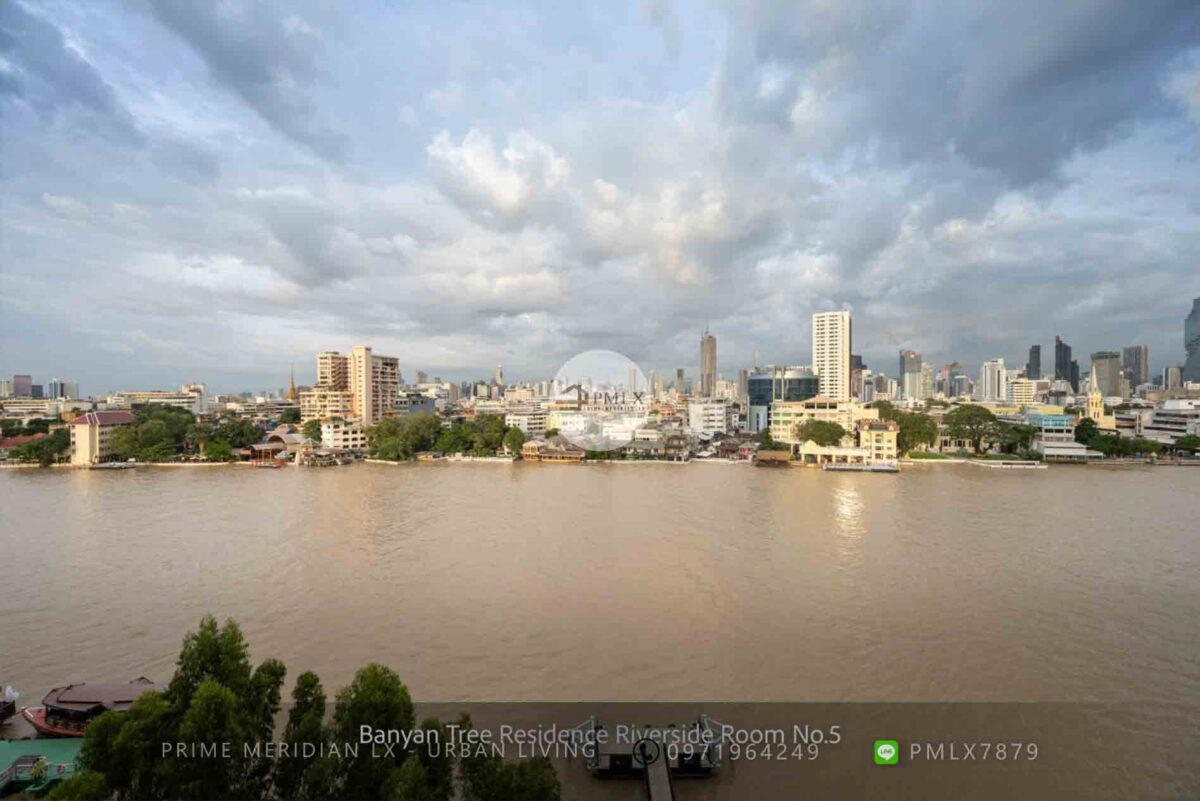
(887, 752)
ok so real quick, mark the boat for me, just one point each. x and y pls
(8, 703)
(274, 464)
(67, 711)
(861, 467)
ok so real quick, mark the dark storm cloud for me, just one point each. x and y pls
(1015, 87)
(48, 76)
(265, 56)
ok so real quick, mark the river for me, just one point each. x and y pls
(635, 582)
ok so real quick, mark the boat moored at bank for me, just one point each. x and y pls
(67, 711)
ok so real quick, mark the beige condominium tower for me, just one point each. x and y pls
(375, 382)
(831, 353)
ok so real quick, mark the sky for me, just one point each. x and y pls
(216, 191)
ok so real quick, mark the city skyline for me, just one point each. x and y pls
(172, 212)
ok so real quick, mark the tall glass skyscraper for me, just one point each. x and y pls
(1191, 343)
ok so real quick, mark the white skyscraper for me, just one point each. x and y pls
(993, 380)
(831, 353)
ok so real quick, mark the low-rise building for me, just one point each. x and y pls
(531, 421)
(711, 417)
(786, 417)
(91, 434)
(879, 438)
(340, 434)
(192, 397)
(1054, 438)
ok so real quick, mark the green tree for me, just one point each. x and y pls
(887, 410)
(1188, 444)
(238, 432)
(398, 438)
(291, 416)
(916, 429)
(550, 432)
(214, 715)
(378, 699)
(822, 432)
(976, 424)
(87, 785)
(219, 450)
(45, 451)
(513, 440)
(305, 775)
(214, 696)
(312, 430)
(486, 777)
(124, 442)
(1015, 438)
(1086, 431)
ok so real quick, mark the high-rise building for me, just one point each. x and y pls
(333, 370)
(910, 374)
(1033, 368)
(1172, 377)
(1064, 368)
(1106, 368)
(708, 364)
(22, 386)
(831, 342)
(65, 390)
(362, 385)
(6, 387)
(993, 380)
(1191, 343)
(375, 382)
(1135, 363)
(499, 378)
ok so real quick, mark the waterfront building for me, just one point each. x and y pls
(1033, 367)
(91, 434)
(1191, 344)
(530, 419)
(1054, 438)
(708, 364)
(1172, 420)
(879, 438)
(711, 417)
(787, 416)
(340, 434)
(831, 343)
(768, 385)
(1106, 373)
